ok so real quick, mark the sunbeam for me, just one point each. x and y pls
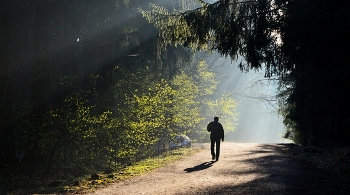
(258, 121)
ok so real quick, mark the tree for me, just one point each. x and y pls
(198, 100)
(288, 38)
(232, 27)
(186, 110)
(62, 84)
(87, 85)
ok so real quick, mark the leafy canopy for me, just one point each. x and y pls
(232, 27)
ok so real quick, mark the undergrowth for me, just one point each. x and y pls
(97, 180)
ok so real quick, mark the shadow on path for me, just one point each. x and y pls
(278, 173)
(200, 167)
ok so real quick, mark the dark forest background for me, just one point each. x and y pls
(88, 85)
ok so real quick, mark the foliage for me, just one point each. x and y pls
(225, 109)
(202, 102)
(87, 86)
(186, 111)
(180, 107)
(291, 39)
(231, 27)
(152, 113)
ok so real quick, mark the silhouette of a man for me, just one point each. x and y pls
(216, 134)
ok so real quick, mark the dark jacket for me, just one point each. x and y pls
(216, 130)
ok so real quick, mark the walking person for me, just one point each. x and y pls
(216, 134)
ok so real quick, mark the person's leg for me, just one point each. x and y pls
(212, 144)
(217, 149)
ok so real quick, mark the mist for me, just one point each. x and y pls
(258, 121)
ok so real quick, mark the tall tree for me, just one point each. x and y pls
(290, 38)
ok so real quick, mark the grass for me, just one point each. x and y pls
(101, 180)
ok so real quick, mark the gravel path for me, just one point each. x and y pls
(242, 169)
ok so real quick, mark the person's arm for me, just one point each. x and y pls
(208, 127)
(223, 134)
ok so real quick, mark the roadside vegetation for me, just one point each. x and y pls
(95, 89)
(71, 184)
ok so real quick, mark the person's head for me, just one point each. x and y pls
(216, 119)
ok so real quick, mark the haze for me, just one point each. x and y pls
(258, 121)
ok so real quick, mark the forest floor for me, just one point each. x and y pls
(246, 169)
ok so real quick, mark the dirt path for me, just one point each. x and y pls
(241, 169)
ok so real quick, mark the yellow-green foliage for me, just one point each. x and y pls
(225, 108)
(163, 109)
(159, 109)
(205, 79)
(153, 113)
(186, 107)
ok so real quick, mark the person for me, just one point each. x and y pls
(216, 134)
